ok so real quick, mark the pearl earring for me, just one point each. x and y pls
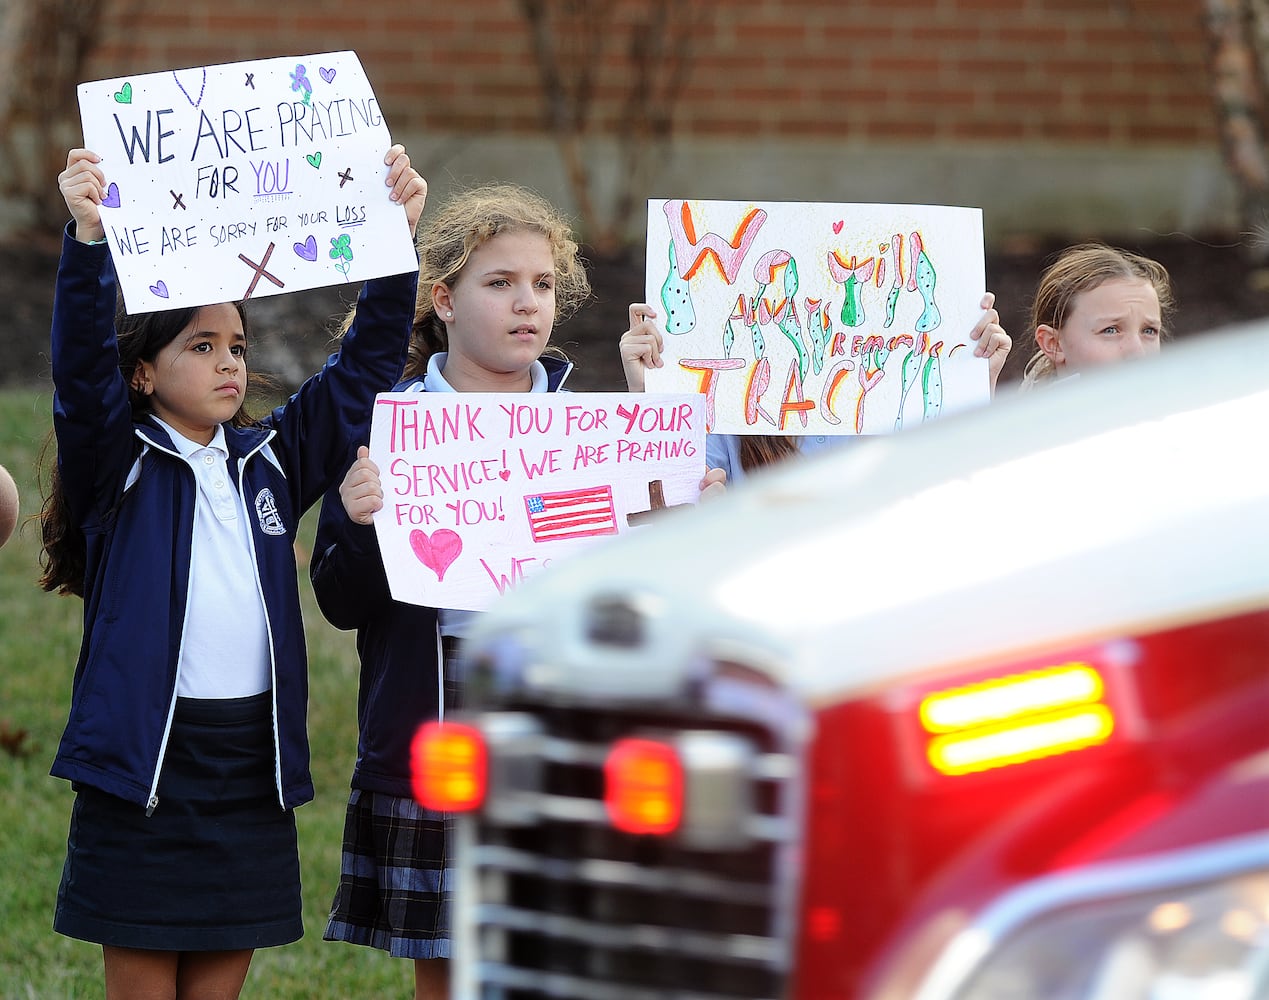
(449, 315)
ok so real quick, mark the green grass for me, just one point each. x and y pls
(39, 641)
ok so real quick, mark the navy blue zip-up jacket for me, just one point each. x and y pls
(133, 497)
(398, 643)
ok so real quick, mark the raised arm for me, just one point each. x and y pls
(407, 184)
(640, 346)
(91, 415)
(347, 571)
(991, 341)
(83, 185)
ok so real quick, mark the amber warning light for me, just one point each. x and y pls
(1017, 718)
(449, 766)
(643, 786)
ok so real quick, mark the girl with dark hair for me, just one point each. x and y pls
(173, 514)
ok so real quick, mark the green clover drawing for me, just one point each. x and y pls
(341, 247)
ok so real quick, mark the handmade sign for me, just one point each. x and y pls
(245, 179)
(483, 490)
(814, 318)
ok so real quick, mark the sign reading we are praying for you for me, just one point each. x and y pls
(817, 318)
(481, 491)
(245, 179)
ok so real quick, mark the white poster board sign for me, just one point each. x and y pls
(483, 490)
(245, 179)
(817, 318)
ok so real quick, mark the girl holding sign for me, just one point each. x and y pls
(173, 514)
(737, 454)
(498, 267)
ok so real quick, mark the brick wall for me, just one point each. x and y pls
(1082, 118)
(1080, 72)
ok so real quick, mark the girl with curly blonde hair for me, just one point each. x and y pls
(498, 267)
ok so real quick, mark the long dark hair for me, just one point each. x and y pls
(140, 338)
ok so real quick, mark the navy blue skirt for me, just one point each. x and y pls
(215, 867)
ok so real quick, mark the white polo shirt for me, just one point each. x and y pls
(225, 647)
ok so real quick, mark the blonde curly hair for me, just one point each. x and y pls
(1079, 269)
(466, 221)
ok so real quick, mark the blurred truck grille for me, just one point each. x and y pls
(559, 904)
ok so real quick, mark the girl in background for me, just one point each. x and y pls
(173, 514)
(1096, 305)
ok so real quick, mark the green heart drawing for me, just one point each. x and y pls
(315, 159)
(124, 94)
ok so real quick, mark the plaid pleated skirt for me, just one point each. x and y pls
(395, 880)
(215, 867)
(396, 873)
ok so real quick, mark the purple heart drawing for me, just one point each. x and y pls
(327, 74)
(202, 85)
(439, 551)
(159, 288)
(307, 249)
(112, 197)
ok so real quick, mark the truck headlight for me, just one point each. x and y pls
(1197, 939)
(1208, 943)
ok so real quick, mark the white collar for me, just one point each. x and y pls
(434, 381)
(186, 447)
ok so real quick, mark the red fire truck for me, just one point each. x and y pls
(976, 711)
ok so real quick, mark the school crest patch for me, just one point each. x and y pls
(267, 513)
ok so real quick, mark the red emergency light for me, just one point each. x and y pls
(1015, 718)
(449, 767)
(643, 786)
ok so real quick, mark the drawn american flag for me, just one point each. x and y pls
(571, 514)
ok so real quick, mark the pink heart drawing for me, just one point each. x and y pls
(438, 552)
(159, 288)
(327, 74)
(112, 197)
(837, 226)
(505, 474)
(307, 249)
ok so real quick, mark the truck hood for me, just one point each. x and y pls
(1106, 505)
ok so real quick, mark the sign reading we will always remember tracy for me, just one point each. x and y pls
(817, 318)
(245, 179)
(483, 490)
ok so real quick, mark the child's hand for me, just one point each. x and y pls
(83, 185)
(408, 186)
(361, 490)
(993, 343)
(640, 346)
(714, 484)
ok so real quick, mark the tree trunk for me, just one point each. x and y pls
(1239, 33)
(48, 43)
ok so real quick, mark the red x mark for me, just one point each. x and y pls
(260, 271)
